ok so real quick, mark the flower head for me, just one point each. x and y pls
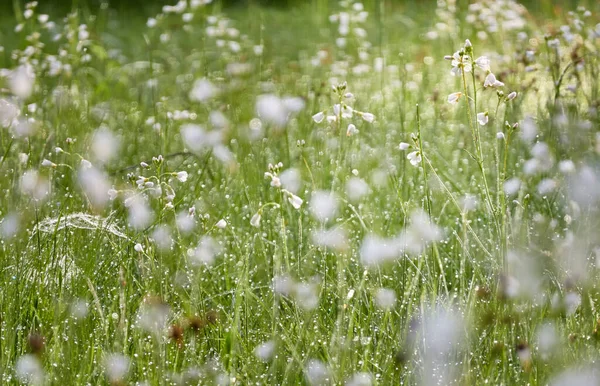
(482, 118)
(414, 158)
(454, 97)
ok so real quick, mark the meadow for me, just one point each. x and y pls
(322, 193)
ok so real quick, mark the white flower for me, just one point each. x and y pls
(499, 135)
(368, 117)
(85, 164)
(265, 351)
(182, 176)
(460, 62)
(385, 298)
(483, 62)
(511, 96)
(491, 81)
(414, 158)
(351, 130)
(203, 90)
(468, 43)
(318, 117)
(295, 200)
(403, 146)
(221, 224)
(112, 194)
(29, 370)
(117, 367)
(482, 118)
(454, 97)
(255, 220)
(138, 248)
(323, 205)
(48, 163)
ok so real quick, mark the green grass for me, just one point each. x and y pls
(80, 285)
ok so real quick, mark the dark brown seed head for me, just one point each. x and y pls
(36, 343)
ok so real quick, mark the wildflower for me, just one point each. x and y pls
(499, 135)
(293, 199)
(265, 351)
(334, 238)
(403, 146)
(105, 145)
(318, 117)
(368, 117)
(482, 118)
(182, 176)
(491, 81)
(317, 373)
(117, 367)
(203, 90)
(48, 164)
(454, 97)
(414, 158)
(323, 205)
(138, 248)
(112, 194)
(460, 62)
(511, 96)
(29, 370)
(356, 188)
(483, 62)
(385, 298)
(255, 220)
(221, 224)
(351, 130)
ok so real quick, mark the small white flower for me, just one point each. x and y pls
(265, 351)
(112, 194)
(368, 117)
(275, 182)
(48, 163)
(295, 201)
(414, 158)
(85, 164)
(491, 81)
(138, 248)
(468, 43)
(511, 96)
(454, 97)
(182, 176)
(255, 220)
(483, 62)
(318, 117)
(499, 135)
(221, 224)
(403, 146)
(351, 130)
(482, 118)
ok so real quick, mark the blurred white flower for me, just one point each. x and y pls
(352, 130)
(368, 117)
(414, 158)
(385, 298)
(265, 351)
(454, 97)
(318, 117)
(483, 62)
(482, 118)
(29, 370)
(116, 367)
(255, 220)
(203, 90)
(491, 81)
(323, 205)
